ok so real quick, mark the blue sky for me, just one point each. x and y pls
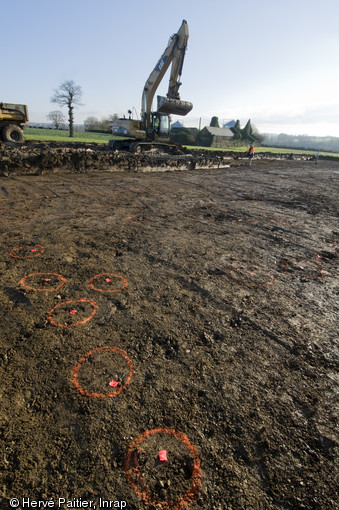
(275, 62)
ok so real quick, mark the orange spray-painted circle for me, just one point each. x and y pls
(72, 312)
(27, 252)
(76, 369)
(107, 277)
(44, 281)
(141, 488)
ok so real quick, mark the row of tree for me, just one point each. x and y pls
(104, 125)
(316, 143)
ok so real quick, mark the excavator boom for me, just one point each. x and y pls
(174, 54)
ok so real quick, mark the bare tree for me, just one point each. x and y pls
(91, 123)
(57, 117)
(68, 94)
(105, 124)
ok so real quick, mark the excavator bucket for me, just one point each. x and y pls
(173, 106)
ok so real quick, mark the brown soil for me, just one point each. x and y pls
(192, 311)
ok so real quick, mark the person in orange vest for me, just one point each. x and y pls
(250, 154)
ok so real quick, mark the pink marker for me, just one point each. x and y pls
(113, 383)
(73, 312)
(163, 455)
(33, 249)
(107, 280)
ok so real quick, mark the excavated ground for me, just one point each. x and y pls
(186, 304)
(35, 158)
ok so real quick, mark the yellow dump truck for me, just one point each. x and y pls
(12, 119)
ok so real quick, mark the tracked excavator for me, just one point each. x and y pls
(153, 129)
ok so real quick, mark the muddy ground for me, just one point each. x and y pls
(190, 308)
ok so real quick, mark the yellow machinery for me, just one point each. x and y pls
(12, 118)
(154, 127)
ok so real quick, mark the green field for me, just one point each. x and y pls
(274, 150)
(60, 135)
(54, 135)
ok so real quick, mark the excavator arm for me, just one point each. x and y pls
(174, 54)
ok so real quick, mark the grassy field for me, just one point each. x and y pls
(53, 135)
(58, 135)
(276, 150)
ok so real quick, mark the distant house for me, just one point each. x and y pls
(177, 124)
(230, 124)
(216, 137)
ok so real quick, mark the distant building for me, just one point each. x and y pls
(216, 137)
(177, 124)
(229, 124)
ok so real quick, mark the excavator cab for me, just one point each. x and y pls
(160, 126)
